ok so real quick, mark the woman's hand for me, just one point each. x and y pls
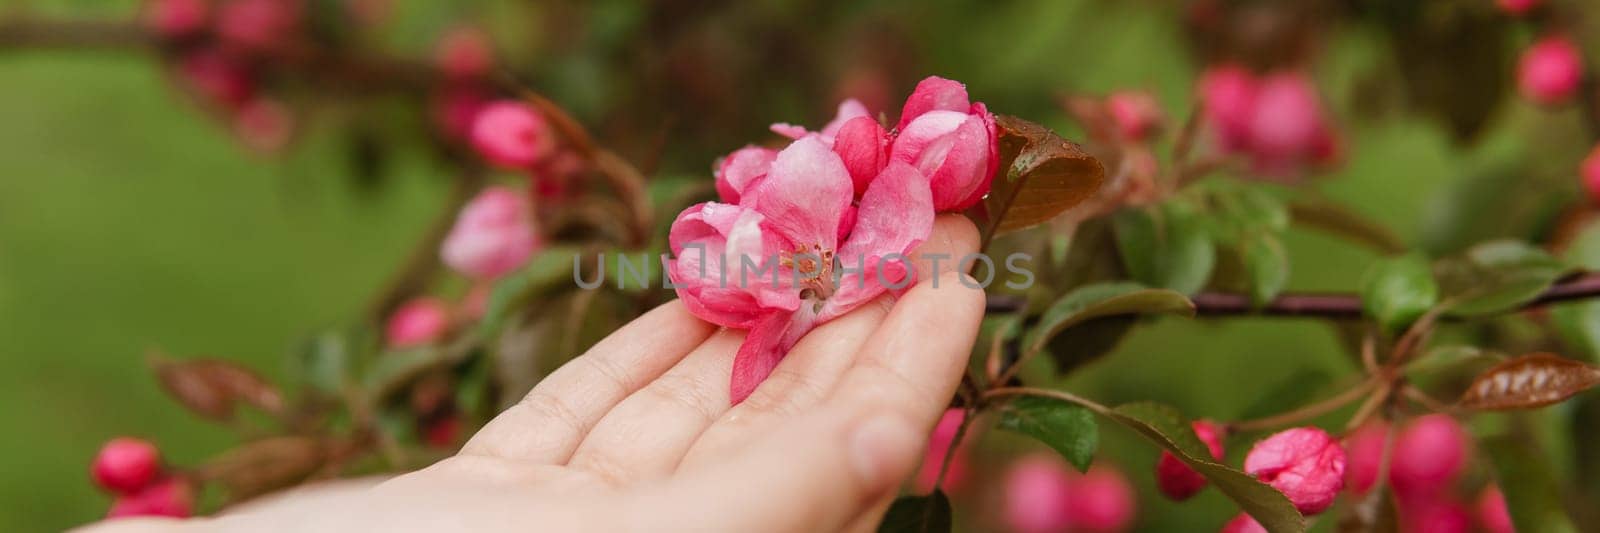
(637, 433)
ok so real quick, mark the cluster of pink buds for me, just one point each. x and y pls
(131, 469)
(465, 57)
(1276, 119)
(1305, 464)
(1550, 71)
(827, 215)
(218, 48)
(1425, 465)
(1044, 495)
(1136, 114)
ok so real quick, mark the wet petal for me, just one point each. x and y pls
(805, 195)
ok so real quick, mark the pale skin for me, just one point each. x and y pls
(637, 434)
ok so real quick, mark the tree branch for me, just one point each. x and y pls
(1329, 305)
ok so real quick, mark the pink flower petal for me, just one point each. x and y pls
(764, 347)
(896, 215)
(709, 242)
(849, 110)
(740, 169)
(933, 94)
(805, 194)
(863, 146)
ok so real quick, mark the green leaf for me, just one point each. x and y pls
(1443, 357)
(1496, 276)
(1088, 341)
(1398, 290)
(1165, 247)
(1040, 175)
(918, 514)
(1338, 220)
(1102, 300)
(1268, 265)
(1578, 323)
(325, 361)
(1067, 428)
(1529, 486)
(1167, 428)
(551, 267)
(1242, 210)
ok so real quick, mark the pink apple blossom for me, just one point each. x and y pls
(1243, 523)
(848, 109)
(258, 24)
(1428, 455)
(1364, 456)
(1135, 114)
(1550, 71)
(1492, 513)
(493, 235)
(464, 52)
(174, 19)
(511, 134)
(1175, 479)
(855, 135)
(126, 464)
(775, 263)
(1304, 463)
(1590, 171)
(169, 497)
(941, 444)
(417, 322)
(949, 139)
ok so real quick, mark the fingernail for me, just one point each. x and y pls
(883, 450)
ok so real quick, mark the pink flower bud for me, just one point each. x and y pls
(951, 141)
(1228, 95)
(940, 444)
(258, 24)
(1036, 493)
(1304, 463)
(1550, 71)
(464, 52)
(217, 78)
(125, 465)
(1135, 113)
(174, 19)
(1364, 456)
(1043, 495)
(492, 236)
(740, 169)
(1101, 501)
(264, 125)
(454, 108)
(1591, 174)
(863, 145)
(1517, 8)
(1175, 479)
(1492, 514)
(1287, 127)
(418, 322)
(1428, 455)
(169, 497)
(511, 134)
(1243, 524)
(1435, 515)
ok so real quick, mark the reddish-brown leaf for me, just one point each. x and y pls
(1040, 176)
(265, 465)
(212, 388)
(1532, 380)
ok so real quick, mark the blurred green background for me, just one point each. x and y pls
(130, 222)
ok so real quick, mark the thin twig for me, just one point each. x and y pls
(1305, 412)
